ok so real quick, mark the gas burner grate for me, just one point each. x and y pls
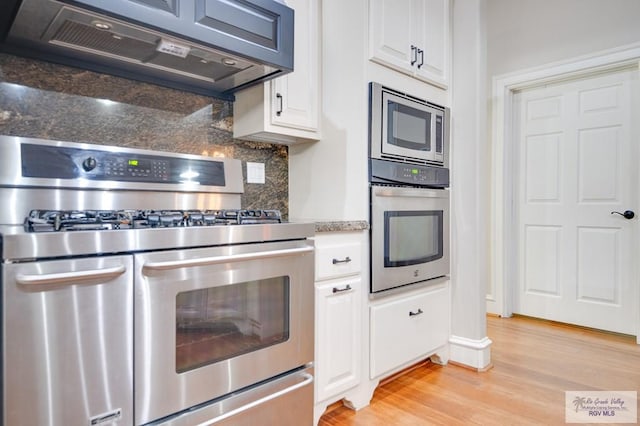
(98, 220)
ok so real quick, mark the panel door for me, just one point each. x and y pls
(391, 33)
(433, 39)
(338, 336)
(294, 96)
(578, 164)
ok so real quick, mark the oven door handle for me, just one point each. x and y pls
(70, 278)
(203, 261)
(308, 378)
(385, 191)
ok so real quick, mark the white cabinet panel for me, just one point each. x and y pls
(338, 337)
(408, 328)
(413, 37)
(286, 109)
(337, 260)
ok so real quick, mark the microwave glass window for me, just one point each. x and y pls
(408, 127)
(218, 323)
(412, 237)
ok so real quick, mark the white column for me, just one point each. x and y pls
(470, 185)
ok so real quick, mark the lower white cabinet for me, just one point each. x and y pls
(408, 328)
(337, 336)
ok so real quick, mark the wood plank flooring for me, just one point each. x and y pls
(534, 363)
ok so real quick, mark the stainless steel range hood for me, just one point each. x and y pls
(212, 47)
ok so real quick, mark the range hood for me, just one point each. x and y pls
(211, 47)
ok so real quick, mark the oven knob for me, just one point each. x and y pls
(89, 164)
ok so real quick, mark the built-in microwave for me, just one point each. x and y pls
(406, 128)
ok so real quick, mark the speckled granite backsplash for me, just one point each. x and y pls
(43, 100)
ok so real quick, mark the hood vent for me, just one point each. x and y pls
(211, 47)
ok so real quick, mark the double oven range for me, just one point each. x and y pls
(136, 291)
(409, 199)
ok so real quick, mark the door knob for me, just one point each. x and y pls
(628, 214)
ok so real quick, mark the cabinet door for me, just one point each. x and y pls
(294, 97)
(391, 25)
(432, 37)
(407, 329)
(412, 36)
(338, 337)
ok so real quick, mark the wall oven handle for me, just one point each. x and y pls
(175, 264)
(386, 191)
(71, 277)
(308, 378)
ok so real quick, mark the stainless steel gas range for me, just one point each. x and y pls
(136, 291)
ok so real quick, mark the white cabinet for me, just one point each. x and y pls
(408, 328)
(339, 345)
(286, 109)
(412, 36)
(338, 336)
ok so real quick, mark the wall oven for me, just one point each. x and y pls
(409, 196)
(409, 236)
(136, 291)
(406, 128)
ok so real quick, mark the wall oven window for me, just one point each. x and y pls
(412, 237)
(220, 323)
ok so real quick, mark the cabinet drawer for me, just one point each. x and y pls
(337, 260)
(408, 328)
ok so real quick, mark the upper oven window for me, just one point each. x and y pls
(408, 127)
(412, 237)
(219, 323)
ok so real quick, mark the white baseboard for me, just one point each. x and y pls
(472, 353)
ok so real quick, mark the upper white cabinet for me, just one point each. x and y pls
(286, 109)
(412, 36)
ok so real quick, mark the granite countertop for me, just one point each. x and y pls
(341, 225)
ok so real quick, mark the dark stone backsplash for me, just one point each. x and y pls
(44, 100)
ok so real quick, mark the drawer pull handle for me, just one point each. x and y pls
(418, 312)
(345, 260)
(340, 290)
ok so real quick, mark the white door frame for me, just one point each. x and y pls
(503, 219)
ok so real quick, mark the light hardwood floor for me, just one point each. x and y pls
(534, 363)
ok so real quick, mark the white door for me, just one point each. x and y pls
(578, 161)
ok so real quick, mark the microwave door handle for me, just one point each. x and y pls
(215, 260)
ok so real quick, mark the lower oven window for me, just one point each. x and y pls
(218, 323)
(412, 237)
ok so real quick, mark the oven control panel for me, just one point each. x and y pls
(63, 162)
(391, 172)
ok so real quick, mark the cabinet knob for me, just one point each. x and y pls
(414, 54)
(340, 290)
(279, 110)
(345, 260)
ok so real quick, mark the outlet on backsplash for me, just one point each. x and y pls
(255, 172)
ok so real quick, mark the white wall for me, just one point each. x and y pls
(524, 34)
